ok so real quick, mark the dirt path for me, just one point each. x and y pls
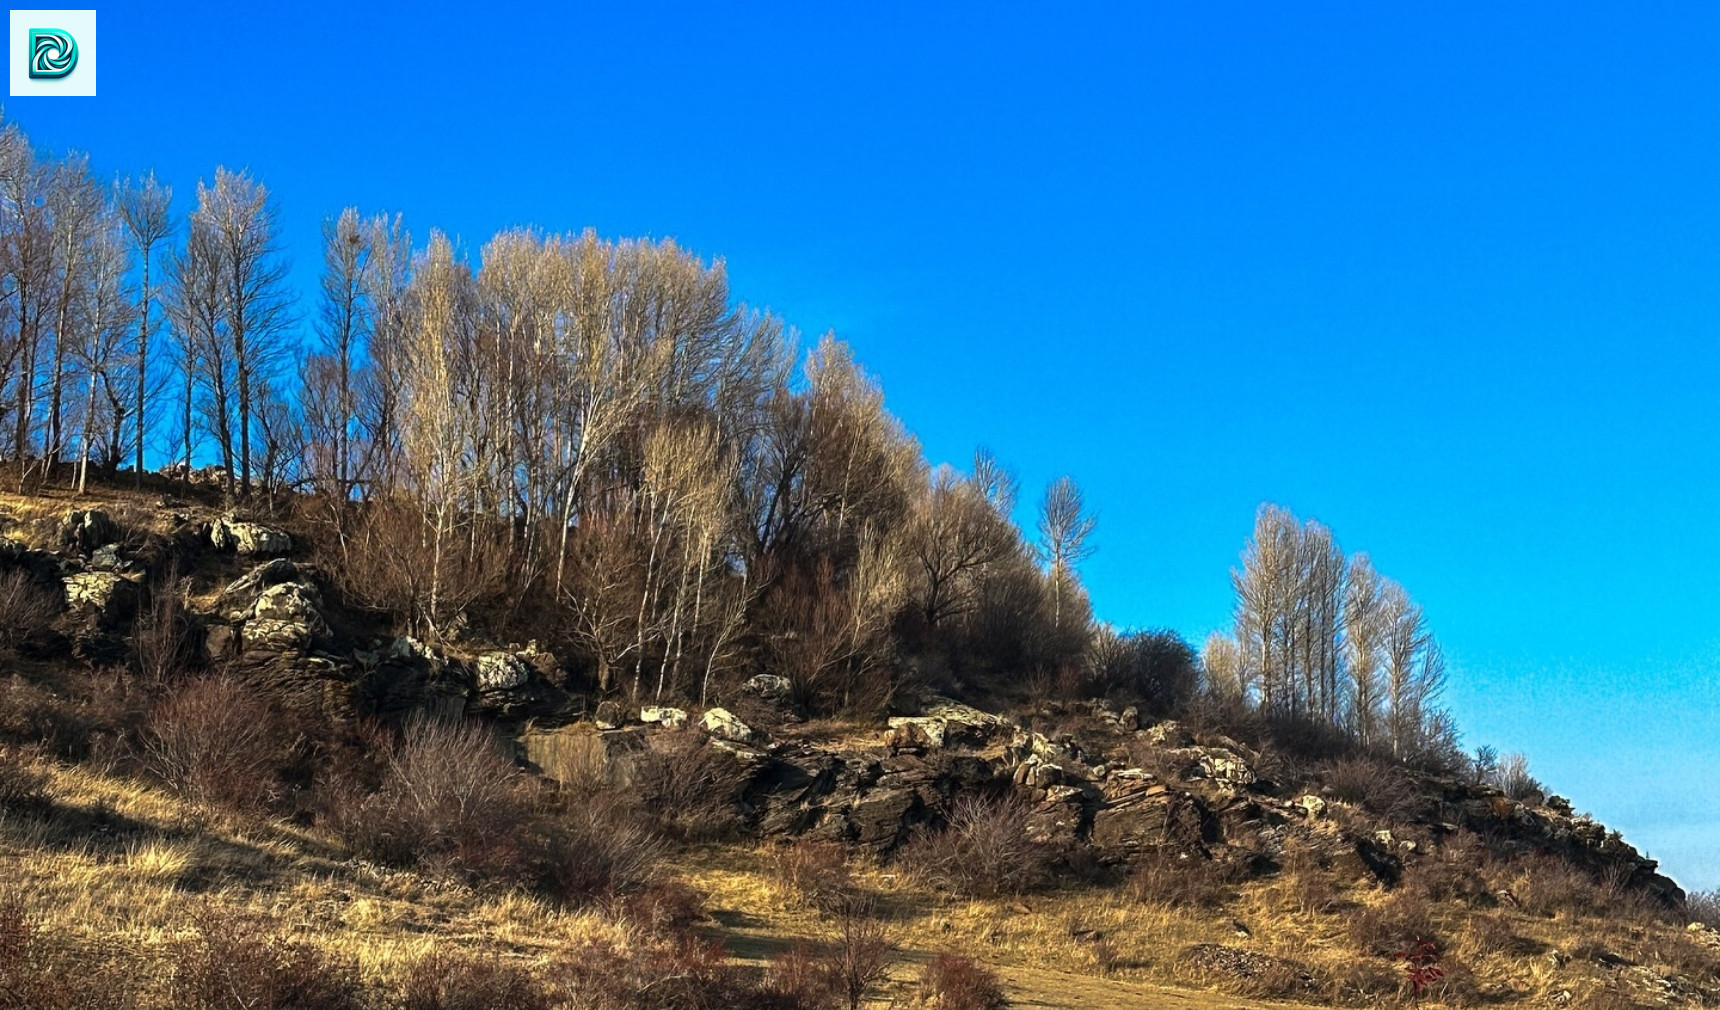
(751, 941)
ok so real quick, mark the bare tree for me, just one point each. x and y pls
(105, 316)
(1364, 640)
(145, 207)
(236, 219)
(76, 208)
(954, 534)
(1064, 527)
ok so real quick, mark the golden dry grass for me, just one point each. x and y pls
(117, 865)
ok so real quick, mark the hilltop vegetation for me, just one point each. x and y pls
(269, 736)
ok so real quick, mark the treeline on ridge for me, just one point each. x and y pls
(590, 443)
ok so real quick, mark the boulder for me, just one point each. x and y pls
(662, 715)
(107, 598)
(241, 593)
(768, 686)
(248, 539)
(287, 618)
(83, 530)
(1313, 806)
(722, 724)
(948, 724)
(1219, 764)
(580, 756)
(502, 671)
(1169, 733)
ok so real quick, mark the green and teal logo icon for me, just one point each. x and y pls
(53, 53)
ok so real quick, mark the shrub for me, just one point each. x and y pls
(442, 981)
(33, 976)
(1393, 926)
(951, 981)
(860, 953)
(26, 609)
(233, 962)
(689, 788)
(1703, 907)
(1512, 777)
(449, 800)
(814, 871)
(162, 639)
(799, 977)
(650, 972)
(983, 851)
(1179, 880)
(597, 851)
(1377, 786)
(1157, 668)
(23, 783)
(214, 740)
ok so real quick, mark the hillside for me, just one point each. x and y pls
(215, 762)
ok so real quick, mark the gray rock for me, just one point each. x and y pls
(673, 718)
(947, 724)
(83, 530)
(246, 538)
(98, 594)
(502, 671)
(286, 618)
(768, 686)
(722, 724)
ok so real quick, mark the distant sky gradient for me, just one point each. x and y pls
(1444, 276)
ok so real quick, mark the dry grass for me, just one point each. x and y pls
(124, 870)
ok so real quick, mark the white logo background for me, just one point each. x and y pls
(82, 25)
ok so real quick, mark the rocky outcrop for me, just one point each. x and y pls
(662, 715)
(944, 723)
(84, 530)
(724, 725)
(104, 600)
(286, 619)
(502, 671)
(249, 539)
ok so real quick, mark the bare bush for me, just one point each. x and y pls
(23, 783)
(1179, 880)
(1513, 779)
(689, 788)
(598, 851)
(954, 981)
(1392, 926)
(861, 952)
(1378, 786)
(652, 972)
(983, 851)
(26, 609)
(813, 870)
(214, 740)
(442, 981)
(161, 639)
(235, 962)
(1703, 907)
(448, 800)
(35, 976)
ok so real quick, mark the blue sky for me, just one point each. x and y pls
(1441, 276)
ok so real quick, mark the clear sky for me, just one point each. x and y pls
(1443, 276)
